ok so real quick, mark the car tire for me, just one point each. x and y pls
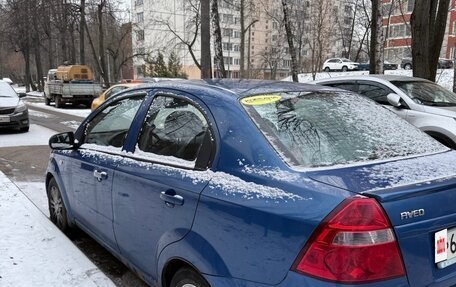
(188, 278)
(407, 67)
(344, 69)
(57, 209)
(47, 101)
(58, 102)
(327, 69)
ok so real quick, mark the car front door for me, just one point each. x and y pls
(155, 194)
(92, 167)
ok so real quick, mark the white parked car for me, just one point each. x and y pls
(423, 103)
(339, 64)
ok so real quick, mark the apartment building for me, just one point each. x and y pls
(398, 35)
(164, 25)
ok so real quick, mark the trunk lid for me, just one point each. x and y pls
(419, 197)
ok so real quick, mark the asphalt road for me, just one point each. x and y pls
(28, 164)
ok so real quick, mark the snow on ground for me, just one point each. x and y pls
(444, 76)
(36, 193)
(37, 135)
(33, 252)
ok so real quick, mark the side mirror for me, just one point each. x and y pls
(62, 141)
(394, 100)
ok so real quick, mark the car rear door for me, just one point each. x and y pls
(156, 192)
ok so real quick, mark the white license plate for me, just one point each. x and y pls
(4, 119)
(445, 247)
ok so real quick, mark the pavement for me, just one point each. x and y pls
(34, 252)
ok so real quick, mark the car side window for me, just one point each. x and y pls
(374, 92)
(344, 86)
(173, 127)
(110, 126)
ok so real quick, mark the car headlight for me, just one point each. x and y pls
(20, 108)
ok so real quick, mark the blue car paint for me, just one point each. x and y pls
(294, 279)
(209, 244)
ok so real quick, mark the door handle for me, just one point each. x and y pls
(100, 175)
(171, 198)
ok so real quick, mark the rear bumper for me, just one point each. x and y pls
(295, 279)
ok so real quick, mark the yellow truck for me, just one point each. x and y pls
(71, 84)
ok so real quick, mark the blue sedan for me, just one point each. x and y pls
(258, 183)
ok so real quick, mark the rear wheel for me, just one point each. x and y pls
(407, 66)
(47, 101)
(327, 69)
(57, 209)
(58, 101)
(186, 277)
(344, 69)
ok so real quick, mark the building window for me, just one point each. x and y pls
(139, 2)
(140, 35)
(410, 5)
(237, 34)
(454, 28)
(236, 61)
(227, 32)
(227, 46)
(141, 52)
(236, 48)
(386, 9)
(140, 70)
(228, 18)
(228, 60)
(140, 17)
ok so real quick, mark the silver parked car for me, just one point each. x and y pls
(13, 112)
(422, 103)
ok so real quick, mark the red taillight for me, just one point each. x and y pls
(354, 244)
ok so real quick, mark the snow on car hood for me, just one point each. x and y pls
(8, 102)
(391, 174)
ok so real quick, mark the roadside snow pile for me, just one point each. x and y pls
(34, 252)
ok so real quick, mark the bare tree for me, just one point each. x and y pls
(428, 29)
(290, 40)
(206, 69)
(320, 33)
(218, 48)
(377, 47)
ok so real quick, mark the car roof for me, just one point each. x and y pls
(376, 77)
(236, 88)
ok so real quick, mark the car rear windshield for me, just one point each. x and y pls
(6, 91)
(333, 128)
(427, 93)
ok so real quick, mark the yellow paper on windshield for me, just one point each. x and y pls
(260, 100)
